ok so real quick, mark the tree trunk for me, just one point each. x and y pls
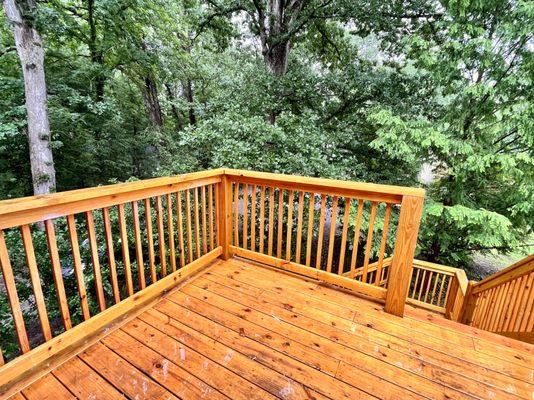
(31, 53)
(96, 54)
(188, 94)
(276, 58)
(171, 96)
(150, 96)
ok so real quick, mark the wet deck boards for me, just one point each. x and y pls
(240, 331)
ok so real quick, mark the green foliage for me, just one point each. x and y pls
(375, 91)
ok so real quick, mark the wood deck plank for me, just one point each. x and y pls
(242, 331)
(194, 362)
(372, 314)
(268, 379)
(514, 350)
(288, 366)
(365, 355)
(122, 374)
(160, 369)
(84, 382)
(409, 344)
(47, 388)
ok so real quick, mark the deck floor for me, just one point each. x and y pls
(240, 331)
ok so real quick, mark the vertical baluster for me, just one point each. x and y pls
(448, 290)
(161, 237)
(440, 293)
(433, 298)
(480, 308)
(35, 281)
(320, 235)
(524, 302)
(150, 240)
(526, 321)
(253, 219)
(280, 222)
(210, 218)
(180, 228)
(236, 214)
(12, 295)
(245, 216)
(262, 220)
(170, 229)
(491, 307)
(111, 255)
(188, 225)
(421, 285)
(369, 242)
(197, 223)
(516, 299)
(271, 221)
(500, 306)
(300, 218)
(310, 229)
(138, 245)
(427, 290)
(417, 272)
(57, 274)
(344, 234)
(125, 250)
(383, 244)
(77, 261)
(2, 362)
(506, 307)
(289, 224)
(332, 238)
(356, 241)
(204, 224)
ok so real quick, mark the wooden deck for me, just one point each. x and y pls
(240, 331)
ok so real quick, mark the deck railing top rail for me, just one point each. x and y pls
(378, 192)
(14, 212)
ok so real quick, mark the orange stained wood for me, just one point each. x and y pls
(111, 255)
(12, 295)
(150, 240)
(180, 228)
(57, 272)
(242, 331)
(125, 249)
(36, 280)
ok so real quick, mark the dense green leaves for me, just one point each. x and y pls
(374, 91)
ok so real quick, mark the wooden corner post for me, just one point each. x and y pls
(225, 216)
(400, 271)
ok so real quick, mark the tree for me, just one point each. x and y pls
(31, 54)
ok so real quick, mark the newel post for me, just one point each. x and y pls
(225, 216)
(400, 271)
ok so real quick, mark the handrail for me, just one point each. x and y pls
(504, 302)
(388, 193)
(514, 271)
(14, 212)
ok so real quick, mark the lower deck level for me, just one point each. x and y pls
(242, 331)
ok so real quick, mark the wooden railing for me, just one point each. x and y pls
(328, 229)
(91, 257)
(98, 252)
(430, 284)
(504, 302)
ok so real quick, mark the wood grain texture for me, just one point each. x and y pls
(400, 271)
(242, 331)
